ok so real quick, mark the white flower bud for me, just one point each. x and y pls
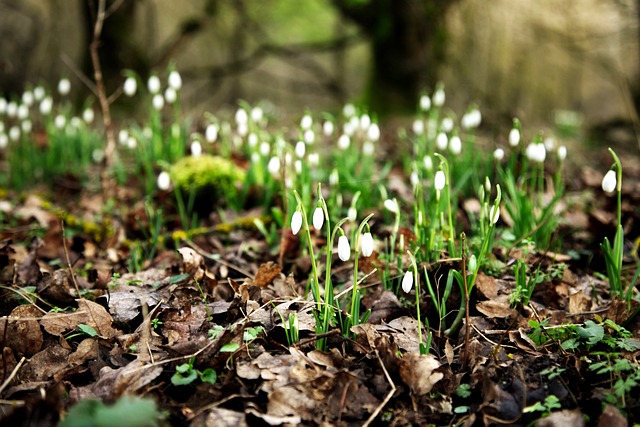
(494, 214)
(366, 244)
(196, 149)
(365, 122)
(14, 133)
(296, 222)
(132, 143)
(471, 119)
(428, 162)
(130, 86)
(392, 206)
(26, 126)
(252, 140)
(373, 133)
(170, 95)
(64, 86)
(175, 80)
(439, 181)
(514, 137)
(3, 105)
(4, 141)
(27, 98)
(158, 102)
(562, 153)
(344, 250)
(314, 159)
(344, 141)
(306, 122)
(241, 117)
(418, 126)
(609, 182)
(88, 115)
(300, 149)
(264, 148)
(352, 214)
(425, 102)
(60, 121)
(211, 133)
(368, 148)
(12, 109)
(442, 141)
(348, 110)
(455, 145)
(309, 136)
(274, 165)
(257, 114)
(318, 218)
(447, 124)
(153, 84)
(164, 181)
(39, 93)
(327, 128)
(46, 105)
(123, 135)
(439, 97)
(22, 112)
(498, 154)
(334, 177)
(407, 281)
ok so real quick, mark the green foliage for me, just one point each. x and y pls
(186, 374)
(550, 403)
(128, 411)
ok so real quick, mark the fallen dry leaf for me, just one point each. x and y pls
(418, 372)
(23, 334)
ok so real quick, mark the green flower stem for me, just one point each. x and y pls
(416, 281)
(355, 301)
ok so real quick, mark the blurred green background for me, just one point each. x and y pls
(531, 59)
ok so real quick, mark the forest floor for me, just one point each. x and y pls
(200, 327)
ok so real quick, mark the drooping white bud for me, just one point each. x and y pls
(64, 86)
(366, 244)
(439, 181)
(318, 218)
(296, 222)
(344, 249)
(164, 181)
(153, 84)
(130, 86)
(175, 80)
(407, 281)
(609, 182)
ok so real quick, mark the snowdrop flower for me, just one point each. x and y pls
(22, 112)
(549, 143)
(243, 130)
(439, 97)
(425, 102)
(368, 148)
(318, 218)
(373, 133)
(60, 121)
(314, 159)
(14, 133)
(334, 177)
(352, 214)
(255, 157)
(392, 206)
(498, 154)
(273, 166)
(46, 106)
(536, 152)
(3, 105)
(132, 143)
(164, 181)
(153, 84)
(64, 86)
(442, 141)
(75, 122)
(88, 115)
(265, 148)
(309, 136)
(439, 180)
(4, 141)
(12, 109)
(252, 140)
(288, 159)
(241, 117)
(327, 128)
(38, 93)
(447, 124)
(428, 162)
(196, 149)
(175, 80)
(609, 182)
(348, 110)
(348, 128)
(415, 180)
(27, 98)
(130, 86)
(562, 153)
(170, 95)
(487, 184)
(306, 122)
(365, 122)
(471, 119)
(418, 127)
(26, 126)
(257, 114)
(298, 166)
(366, 244)
(296, 222)
(344, 250)
(514, 137)
(300, 149)
(123, 135)
(407, 281)
(158, 102)
(494, 214)
(344, 141)
(211, 133)
(455, 145)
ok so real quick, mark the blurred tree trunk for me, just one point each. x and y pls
(408, 41)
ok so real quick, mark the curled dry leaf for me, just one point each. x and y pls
(418, 372)
(266, 273)
(192, 263)
(88, 313)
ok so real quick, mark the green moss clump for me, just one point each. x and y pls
(211, 179)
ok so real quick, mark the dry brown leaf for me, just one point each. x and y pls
(418, 372)
(579, 303)
(87, 349)
(266, 273)
(23, 335)
(88, 313)
(499, 308)
(45, 364)
(192, 263)
(564, 418)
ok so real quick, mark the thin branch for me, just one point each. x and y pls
(13, 374)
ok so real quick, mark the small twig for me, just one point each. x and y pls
(66, 254)
(387, 397)
(13, 374)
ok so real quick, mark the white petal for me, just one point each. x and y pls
(609, 182)
(344, 250)
(318, 218)
(407, 281)
(366, 244)
(296, 222)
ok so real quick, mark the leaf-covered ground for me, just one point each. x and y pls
(200, 328)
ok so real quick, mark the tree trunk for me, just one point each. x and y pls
(408, 40)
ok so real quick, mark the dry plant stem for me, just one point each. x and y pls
(467, 323)
(386, 398)
(66, 255)
(13, 374)
(109, 151)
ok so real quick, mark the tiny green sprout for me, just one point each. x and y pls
(156, 323)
